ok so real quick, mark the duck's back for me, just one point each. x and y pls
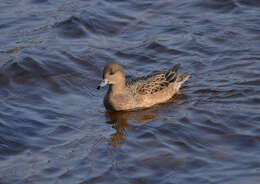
(154, 83)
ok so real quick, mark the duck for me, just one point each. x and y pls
(142, 92)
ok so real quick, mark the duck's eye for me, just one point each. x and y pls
(112, 73)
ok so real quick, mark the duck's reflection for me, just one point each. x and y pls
(119, 121)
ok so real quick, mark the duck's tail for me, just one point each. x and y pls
(172, 74)
(181, 79)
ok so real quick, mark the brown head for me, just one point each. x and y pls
(114, 75)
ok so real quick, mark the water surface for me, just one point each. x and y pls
(55, 129)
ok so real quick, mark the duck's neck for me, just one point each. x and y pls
(117, 88)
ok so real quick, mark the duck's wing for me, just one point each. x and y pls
(154, 83)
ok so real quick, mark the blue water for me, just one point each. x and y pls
(55, 129)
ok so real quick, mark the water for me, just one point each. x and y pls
(55, 129)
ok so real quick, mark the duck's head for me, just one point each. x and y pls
(113, 74)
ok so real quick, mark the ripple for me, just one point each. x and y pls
(71, 28)
(97, 23)
(222, 6)
(53, 125)
(249, 3)
(160, 48)
(250, 83)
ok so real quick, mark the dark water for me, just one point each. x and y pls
(54, 128)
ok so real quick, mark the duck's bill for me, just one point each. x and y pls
(102, 84)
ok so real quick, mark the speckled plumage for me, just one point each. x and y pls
(153, 83)
(141, 92)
